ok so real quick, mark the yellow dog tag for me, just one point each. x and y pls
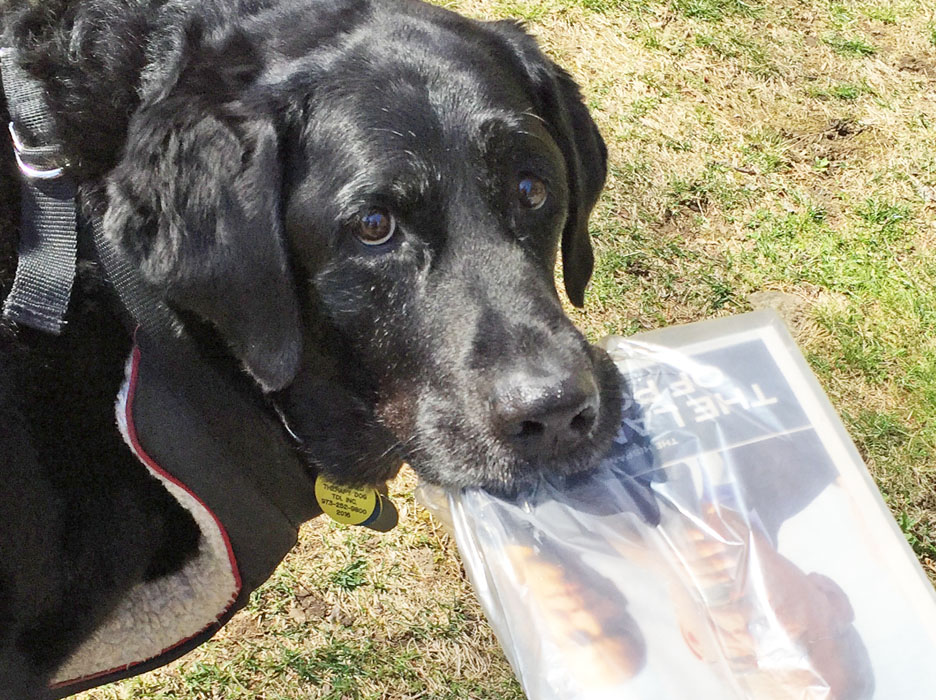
(355, 506)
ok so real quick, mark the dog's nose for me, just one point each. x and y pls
(545, 415)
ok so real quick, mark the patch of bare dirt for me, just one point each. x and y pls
(836, 141)
(918, 64)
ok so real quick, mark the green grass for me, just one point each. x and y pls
(717, 10)
(850, 46)
(840, 91)
(712, 187)
(752, 55)
(919, 536)
(883, 215)
(765, 150)
(351, 576)
(340, 665)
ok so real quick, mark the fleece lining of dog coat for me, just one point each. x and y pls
(158, 615)
(230, 465)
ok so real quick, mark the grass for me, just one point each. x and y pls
(716, 10)
(351, 576)
(787, 147)
(850, 46)
(840, 91)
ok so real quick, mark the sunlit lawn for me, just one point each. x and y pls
(779, 153)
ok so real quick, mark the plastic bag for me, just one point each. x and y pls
(732, 544)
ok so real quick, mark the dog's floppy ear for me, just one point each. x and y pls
(195, 204)
(559, 102)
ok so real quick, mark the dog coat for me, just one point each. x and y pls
(228, 463)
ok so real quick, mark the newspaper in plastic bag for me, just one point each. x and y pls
(732, 545)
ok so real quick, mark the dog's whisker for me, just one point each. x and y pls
(385, 130)
(533, 115)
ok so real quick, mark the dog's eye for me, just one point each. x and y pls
(532, 192)
(375, 227)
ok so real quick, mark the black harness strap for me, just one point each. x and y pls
(145, 307)
(48, 245)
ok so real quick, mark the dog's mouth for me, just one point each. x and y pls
(488, 442)
(499, 436)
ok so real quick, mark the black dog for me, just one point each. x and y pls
(358, 204)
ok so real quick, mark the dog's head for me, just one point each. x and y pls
(365, 201)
